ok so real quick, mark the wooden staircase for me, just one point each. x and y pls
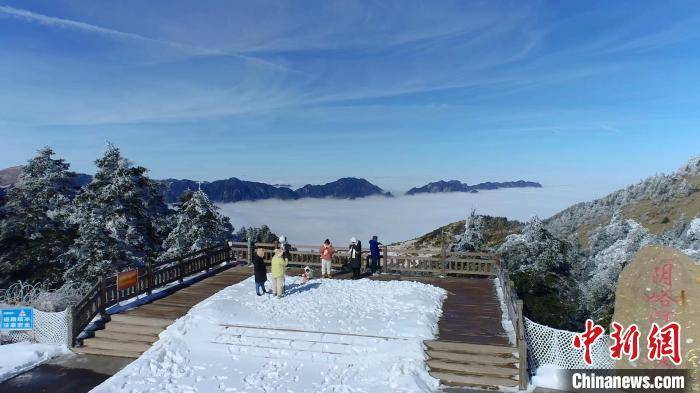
(131, 333)
(489, 367)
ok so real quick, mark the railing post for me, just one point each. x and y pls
(385, 251)
(180, 272)
(443, 258)
(149, 278)
(522, 347)
(250, 251)
(70, 319)
(103, 296)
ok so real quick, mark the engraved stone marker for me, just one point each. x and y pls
(661, 285)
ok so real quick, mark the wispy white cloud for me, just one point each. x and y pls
(47, 20)
(71, 24)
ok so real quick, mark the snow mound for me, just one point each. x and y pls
(323, 336)
(549, 376)
(19, 357)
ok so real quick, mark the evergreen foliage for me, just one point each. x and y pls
(258, 235)
(541, 269)
(473, 237)
(122, 220)
(34, 229)
(198, 225)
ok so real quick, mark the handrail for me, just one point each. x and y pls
(456, 263)
(105, 292)
(514, 307)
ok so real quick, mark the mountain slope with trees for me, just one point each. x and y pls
(571, 261)
(565, 268)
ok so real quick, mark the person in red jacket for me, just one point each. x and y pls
(326, 252)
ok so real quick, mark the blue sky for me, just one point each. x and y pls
(398, 92)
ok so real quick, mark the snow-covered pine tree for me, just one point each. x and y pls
(473, 238)
(259, 235)
(34, 230)
(541, 266)
(198, 225)
(122, 220)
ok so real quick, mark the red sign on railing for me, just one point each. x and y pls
(127, 279)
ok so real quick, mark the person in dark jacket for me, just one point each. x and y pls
(355, 257)
(260, 271)
(374, 253)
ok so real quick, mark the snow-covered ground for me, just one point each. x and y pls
(549, 376)
(19, 357)
(323, 336)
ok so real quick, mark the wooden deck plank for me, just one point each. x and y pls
(471, 313)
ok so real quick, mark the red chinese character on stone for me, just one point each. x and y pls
(665, 342)
(588, 338)
(627, 343)
(663, 298)
(664, 274)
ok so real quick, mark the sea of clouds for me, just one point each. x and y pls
(310, 221)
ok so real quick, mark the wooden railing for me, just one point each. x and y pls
(454, 263)
(514, 307)
(106, 293)
(447, 263)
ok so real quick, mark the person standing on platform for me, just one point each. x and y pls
(279, 265)
(260, 271)
(374, 253)
(355, 257)
(326, 252)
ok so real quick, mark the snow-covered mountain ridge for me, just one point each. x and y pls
(566, 267)
(657, 203)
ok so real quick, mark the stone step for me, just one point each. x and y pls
(473, 369)
(119, 327)
(142, 320)
(115, 345)
(130, 337)
(473, 358)
(451, 346)
(474, 381)
(106, 352)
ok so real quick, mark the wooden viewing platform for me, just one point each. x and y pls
(471, 349)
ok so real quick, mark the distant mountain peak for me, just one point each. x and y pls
(458, 186)
(345, 187)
